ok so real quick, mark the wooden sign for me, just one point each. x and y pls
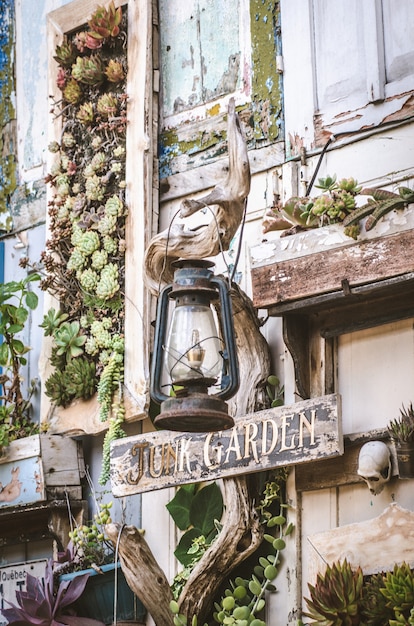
(34, 466)
(13, 578)
(287, 435)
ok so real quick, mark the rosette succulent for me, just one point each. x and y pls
(114, 71)
(108, 283)
(104, 22)
(107, 105)
(72, 92)
(88, 70)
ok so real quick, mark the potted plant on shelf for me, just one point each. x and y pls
(401, 431)
(106, 592)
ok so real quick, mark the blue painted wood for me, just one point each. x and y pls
(21, 482)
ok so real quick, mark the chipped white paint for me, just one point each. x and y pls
(326, 238)
(375, 545)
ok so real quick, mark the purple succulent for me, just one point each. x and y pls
(40, 605)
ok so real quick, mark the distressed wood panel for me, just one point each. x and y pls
(375, 545)
(335, 472)
(276, 437)
(335, 269)
(206, 176)
(33, 465)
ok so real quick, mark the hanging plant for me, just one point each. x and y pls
(84, 257)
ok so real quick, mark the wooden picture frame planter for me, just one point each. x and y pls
(82, 417)
(40, 468)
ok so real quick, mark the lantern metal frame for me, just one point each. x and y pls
(192, 408)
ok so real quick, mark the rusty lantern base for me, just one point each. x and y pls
(194, 414)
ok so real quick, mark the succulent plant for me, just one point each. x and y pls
(85, 113)
(107, 105)
(56, 390)
(381, 203)
(105, 22)
(115, 431)
(72, 92)
(114, 206)
(114, 71)
(108, 283)
(398, 589)
(374, 609)
(109, 384)
(76, 379)
(99, 259)
(94, 188)
(76, 260)
(52, 320)
(98, 161)
(88, 70)
(65, 54)
(107, 224)
(91, 547)
(401, 429)
(88, 279)
(81, 380)
(40, 604)
(335, 598)
(68, 340)
(89, 242)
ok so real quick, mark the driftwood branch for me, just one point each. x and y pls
(180, 242)
(142, 572)
(253, 355)
(240, 536)
(241, 533)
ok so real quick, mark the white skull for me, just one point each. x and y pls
(374, 465)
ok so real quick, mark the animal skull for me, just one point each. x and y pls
(374, 465)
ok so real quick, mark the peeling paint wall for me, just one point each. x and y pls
(266, 70)
(7, 111)
(210, 50)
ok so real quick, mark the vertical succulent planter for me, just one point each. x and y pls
(99, 208)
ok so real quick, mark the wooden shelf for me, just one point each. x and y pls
(325, 284)
(39, 521)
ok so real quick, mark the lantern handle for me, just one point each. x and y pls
(157, 356)
(230, 358)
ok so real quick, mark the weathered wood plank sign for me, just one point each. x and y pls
(287, 435)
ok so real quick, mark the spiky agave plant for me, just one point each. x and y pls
(398, 591)
(402, 428)
(336, 596)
